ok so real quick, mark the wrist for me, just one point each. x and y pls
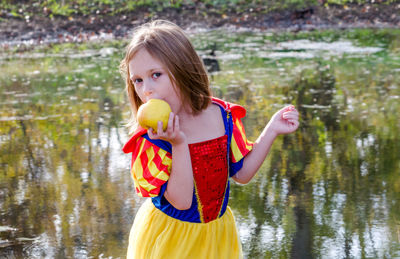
(181, 142)
(270, 131)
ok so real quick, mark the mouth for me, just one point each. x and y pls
(154, 98)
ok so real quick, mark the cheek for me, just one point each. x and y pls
(176, 92)
(172, 88)
(139, 93)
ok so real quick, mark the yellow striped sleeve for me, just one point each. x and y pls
(150, 169)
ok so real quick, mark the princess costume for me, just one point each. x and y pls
(207, 229)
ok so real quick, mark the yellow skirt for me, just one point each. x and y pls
(155, 235)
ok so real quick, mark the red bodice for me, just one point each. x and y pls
(210, 172)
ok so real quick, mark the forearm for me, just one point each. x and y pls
(253, 161)
(179, 190)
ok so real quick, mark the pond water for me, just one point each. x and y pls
(331, 190)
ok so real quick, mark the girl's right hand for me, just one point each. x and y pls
(284, 121)
(172, 134)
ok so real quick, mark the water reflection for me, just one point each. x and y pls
(330, 190)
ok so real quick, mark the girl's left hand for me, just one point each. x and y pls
(172, 134)
(284, 121)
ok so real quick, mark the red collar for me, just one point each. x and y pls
(237, 110)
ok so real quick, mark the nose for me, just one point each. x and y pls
(147, 88)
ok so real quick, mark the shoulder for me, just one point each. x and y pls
(236, 110)
(139, 137)
(130, 145)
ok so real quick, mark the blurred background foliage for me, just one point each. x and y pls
(68, 8)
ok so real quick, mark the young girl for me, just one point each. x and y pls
(186, 168)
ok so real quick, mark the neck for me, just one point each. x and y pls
(185, 112)
(185, 115)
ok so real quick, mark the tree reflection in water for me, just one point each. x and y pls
(329, 190)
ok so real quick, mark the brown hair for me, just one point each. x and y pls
(168, 43)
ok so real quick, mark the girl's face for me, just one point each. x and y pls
(151, 81)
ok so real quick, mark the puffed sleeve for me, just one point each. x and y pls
(151, 167)
(240, 145)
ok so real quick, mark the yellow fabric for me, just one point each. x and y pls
(237, 154)
(239, 137)
(146, 185)
(155, 235)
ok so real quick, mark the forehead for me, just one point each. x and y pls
(143, 62)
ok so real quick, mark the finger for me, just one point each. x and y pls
(290, 116)
(289, 108)
(294, 124)
(160, 130)
(176, 123)
(292, 111)
(286, 109)
(170, 127)
(151, 134)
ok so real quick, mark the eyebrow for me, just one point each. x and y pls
(148, 72)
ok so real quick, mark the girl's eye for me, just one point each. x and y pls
(137, 81)
(156, 75)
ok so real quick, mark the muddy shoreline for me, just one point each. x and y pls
(43, 30)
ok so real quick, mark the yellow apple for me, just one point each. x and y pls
(153, 111)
